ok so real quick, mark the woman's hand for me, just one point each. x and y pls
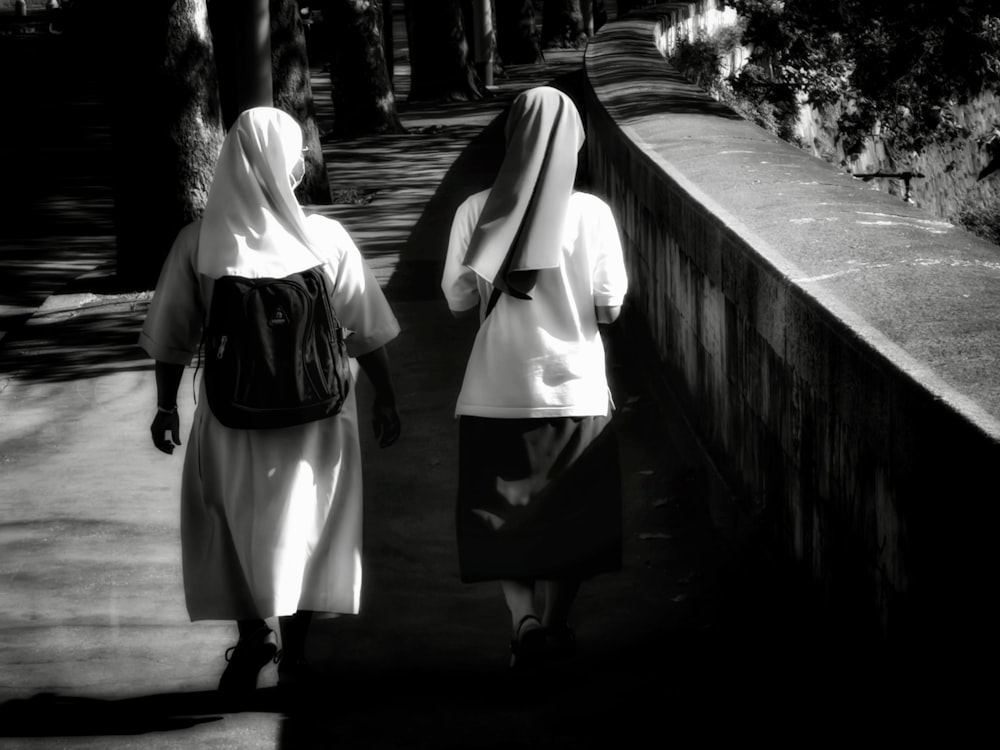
(385, 422)
(166, 420)
(168, 380)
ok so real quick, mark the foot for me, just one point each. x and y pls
(527, 647)
(246, 659)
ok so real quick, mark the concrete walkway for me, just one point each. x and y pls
(96, 650)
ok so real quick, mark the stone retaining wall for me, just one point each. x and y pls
(837, 351)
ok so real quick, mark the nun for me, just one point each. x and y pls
(270, 518)
(539, 505)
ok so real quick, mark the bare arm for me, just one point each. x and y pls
(607, 315)
(472, 312)
(168, 381)
(385, 420)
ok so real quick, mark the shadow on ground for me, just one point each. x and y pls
(52, 715)
(87, 340)
(386, 708)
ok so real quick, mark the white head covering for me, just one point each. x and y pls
(520, 228)
(253, 225)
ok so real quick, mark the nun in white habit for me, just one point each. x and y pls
(270, 519)
(539, 497)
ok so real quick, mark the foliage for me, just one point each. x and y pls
(700, 59)
(562, 24)
(757, 97)
(983, 223)
(900, 65)
(754, 94)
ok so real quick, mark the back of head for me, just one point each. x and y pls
(253, 225)
(520, 229)
(547, 112)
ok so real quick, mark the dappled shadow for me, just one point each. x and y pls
(634, 82)
(55, 198)
(421, 258)
(93, 339)
(31, 269)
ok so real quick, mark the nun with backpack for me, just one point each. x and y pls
(287, 313)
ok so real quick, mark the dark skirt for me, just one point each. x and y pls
(538, 499)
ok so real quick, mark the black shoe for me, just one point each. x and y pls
(527, 648)
(246, 659)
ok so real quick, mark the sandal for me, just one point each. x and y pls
(528, 646)
(246, 659)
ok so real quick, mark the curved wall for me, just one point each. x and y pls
(836, 350)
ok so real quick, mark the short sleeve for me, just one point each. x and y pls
(358, 299)
(609, 275)
(172, 329)
(459, 282)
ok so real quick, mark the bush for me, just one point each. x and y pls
(981, 221)
(752, 90)
(700, 60)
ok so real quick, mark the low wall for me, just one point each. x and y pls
(836, 350)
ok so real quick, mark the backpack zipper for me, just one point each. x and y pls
(222, 347)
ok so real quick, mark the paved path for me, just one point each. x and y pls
(96, 650)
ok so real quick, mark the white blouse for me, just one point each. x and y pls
(541, 357)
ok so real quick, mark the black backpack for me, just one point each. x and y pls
(275, 354)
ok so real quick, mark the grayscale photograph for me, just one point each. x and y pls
(456, 374)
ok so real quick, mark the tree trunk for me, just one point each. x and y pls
(600, 13)
(484, 38)
(293, 94)
(388, 40)
(441, 67)
(517, 34)
(562, 24)
(363, 99)
(241, 36)
(167, 132)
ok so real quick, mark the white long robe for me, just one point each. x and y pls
(271, 520)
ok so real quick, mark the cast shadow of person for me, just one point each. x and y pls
(52, 715)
